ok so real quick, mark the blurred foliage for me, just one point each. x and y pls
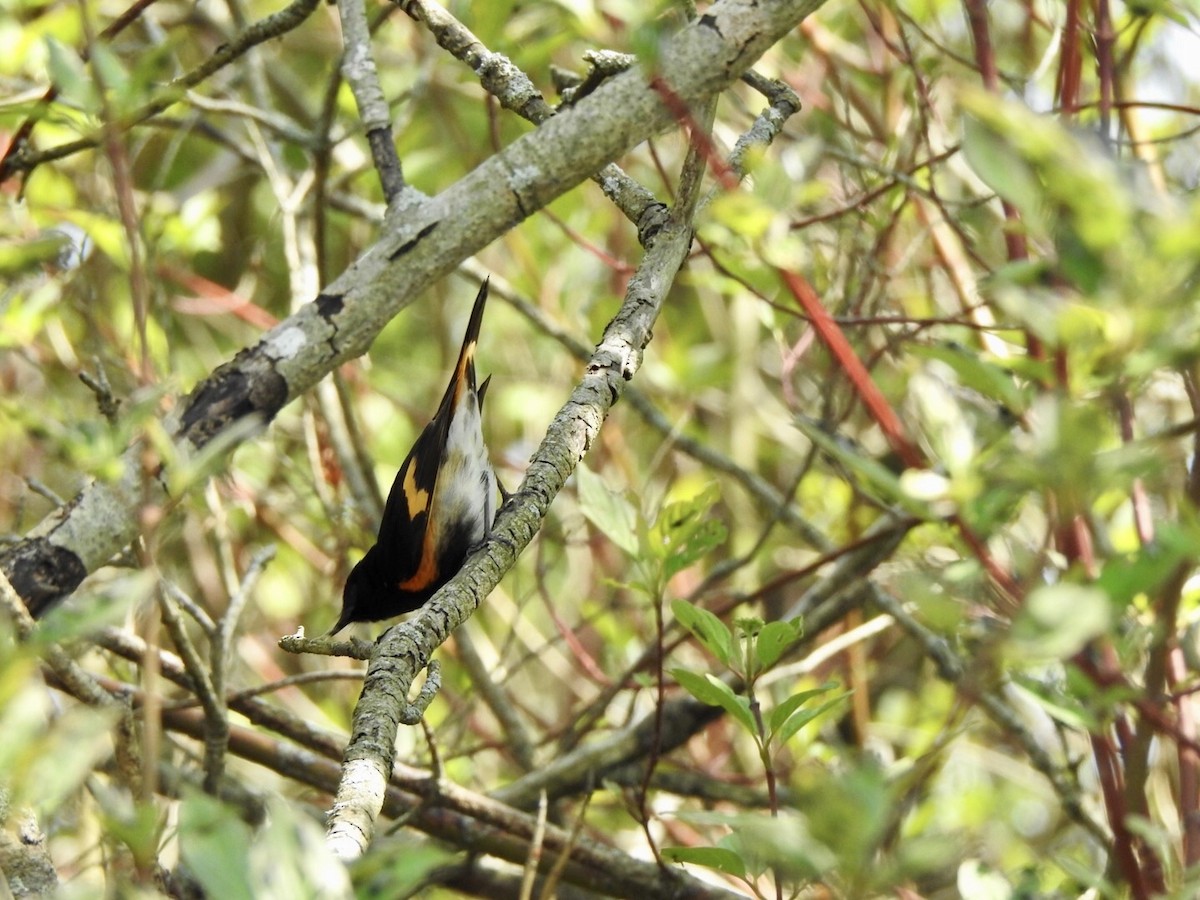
(1043, 359)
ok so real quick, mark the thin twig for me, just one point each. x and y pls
(216, 719)
(358, 67)
(265, 29)
(516, 735)
(535, 849)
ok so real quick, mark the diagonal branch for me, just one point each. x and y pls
(516, 92)
(404, 651)
(422, 241)
(358, 67)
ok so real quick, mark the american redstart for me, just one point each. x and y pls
(442, 503)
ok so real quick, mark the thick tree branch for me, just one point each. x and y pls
(423, 241)
(516, 92)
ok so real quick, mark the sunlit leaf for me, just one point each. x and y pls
(743, 214)
(707, 629)
(775, 639)
(715, 692)
(802, 717)
(1057, 620)
(720, 858)
(782, 711)
(613, 515)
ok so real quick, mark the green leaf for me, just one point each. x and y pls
(978, 373)
(683, 532)
(290, 858)
(775, 639)
(715, 692)
(720, 858)
(1048, 171)
(876, 476)
(1124, 578)
(1057, 620)
(743, 214)
(803, 716)
(137, 826)
(707, 629)
(785, 843)
(1060, 705)
(46, 753)
(26, 256)
(1000, 166)
(781, 712)
(397, 874)
(285, 857)
(110, 68)
(215, 844)
(694, 545)
(647, 31)
(611, 513)
(71, 77)
(106, 234)
(1165, 8)
(748, 627)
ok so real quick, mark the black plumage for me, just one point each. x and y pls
(441, 504)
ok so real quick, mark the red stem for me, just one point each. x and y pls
(881, 411)
(1189, 763)
(1122, 845)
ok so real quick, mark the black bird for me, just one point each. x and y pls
(442, 503)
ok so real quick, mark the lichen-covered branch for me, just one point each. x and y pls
(358, 66)
(423, 240)
(404, 651)
(501, 78)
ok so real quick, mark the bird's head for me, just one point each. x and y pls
(356, 594)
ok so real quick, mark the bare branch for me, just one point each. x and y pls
(420, 245)
(404, 650)
(358, 67)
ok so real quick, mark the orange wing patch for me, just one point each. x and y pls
(427, 572)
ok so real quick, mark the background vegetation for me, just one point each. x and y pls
(944, 636)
